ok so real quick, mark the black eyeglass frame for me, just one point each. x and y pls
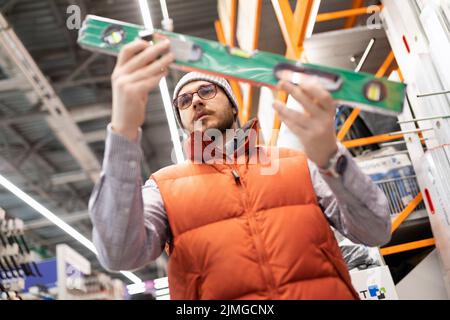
(175, 101)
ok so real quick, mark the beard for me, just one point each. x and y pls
(226, 122)
(221, 121)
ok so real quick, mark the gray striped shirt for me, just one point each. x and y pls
(130, 221)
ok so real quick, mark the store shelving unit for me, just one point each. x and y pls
(420, 45)
(419, 37)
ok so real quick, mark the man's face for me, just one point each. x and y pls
(205, 114)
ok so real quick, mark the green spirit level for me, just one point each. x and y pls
(360, 90)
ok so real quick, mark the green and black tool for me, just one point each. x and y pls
(355, 89)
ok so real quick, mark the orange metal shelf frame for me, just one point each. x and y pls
(408, 246)
(244, 105)
(293, 27)
(343, 14)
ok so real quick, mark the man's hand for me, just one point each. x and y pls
(315, 126)
(140, 66)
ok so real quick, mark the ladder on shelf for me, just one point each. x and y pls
(425, 122)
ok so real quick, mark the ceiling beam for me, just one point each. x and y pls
(80, 114)
(61, 22)
(95, 136)
(59, 120)
(53, 241)
(8, 6)
(30, 228)
(34, 187)
(91, 112)
(68, 177)
(81, 67)
(46, 165)
(31, 151)
(74, 83)
(14, 84)
(24, 117)
(68, 218)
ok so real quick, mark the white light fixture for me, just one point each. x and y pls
(161, 283)
(136, 288)
(164, 10)
(171, 120)
(312, 18)
(365, 55)
(145, 12)
(130, 275)
(160, 286)
(162, 292)
(133, 292)
(148, 23)
(57, 221)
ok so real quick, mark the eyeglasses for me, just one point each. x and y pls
(205, 92)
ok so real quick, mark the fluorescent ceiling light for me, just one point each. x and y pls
(47, 213)
(137, 291)
(56, 220)
(145, 12)
(365, 55)
(146, 17)
(161, 283)
(130, 275)
(162, 292)
(171, 120)
(312, 18)
(136, 288)
(165, 12)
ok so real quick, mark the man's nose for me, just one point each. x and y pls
(196, 100)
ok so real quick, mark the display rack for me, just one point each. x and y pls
(76, 281)
(16, 259)
(419, 38)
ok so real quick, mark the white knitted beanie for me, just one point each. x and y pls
(196, 76)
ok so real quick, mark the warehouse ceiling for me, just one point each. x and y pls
(46, 160)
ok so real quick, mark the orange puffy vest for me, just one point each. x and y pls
(238, 234)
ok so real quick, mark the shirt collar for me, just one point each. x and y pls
(245, 137)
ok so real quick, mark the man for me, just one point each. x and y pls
(233, 232)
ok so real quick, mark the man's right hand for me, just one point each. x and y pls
(138, 71)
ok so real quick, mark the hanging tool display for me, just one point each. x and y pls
(361, 90)
(8, 294)
(16, 259)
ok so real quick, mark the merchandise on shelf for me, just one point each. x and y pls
(16, 259)
(394, 174)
